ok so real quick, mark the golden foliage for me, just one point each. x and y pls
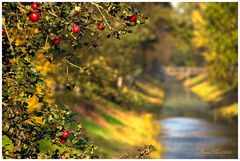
(228, 111)
(19, 39)
(35, 120)
(198, 32)
(44, 67)
(33, 104)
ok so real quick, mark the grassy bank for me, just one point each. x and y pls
(117, 128)
(222, 98)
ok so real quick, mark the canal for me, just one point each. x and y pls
(188, 130)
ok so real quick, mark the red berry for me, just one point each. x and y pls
(34, 6)
(76, 29)
(77, 13)
(133, 18)
(3, 31)
(100, 27)
(34, 16)
(56, 41)
(62, 140)
(66, 134)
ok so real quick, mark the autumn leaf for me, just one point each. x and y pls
(40, 89)
(20, 42)
(35, 120)
(14, 61)
(47, 46)
(33, 104)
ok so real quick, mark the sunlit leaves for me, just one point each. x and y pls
(214, 23)
(33, 103)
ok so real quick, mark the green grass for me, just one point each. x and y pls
(110, 119)
(94, 128)
(102, 135)
(105, 154)
(110, 147)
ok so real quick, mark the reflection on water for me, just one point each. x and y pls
(196, 138)
(187, 128)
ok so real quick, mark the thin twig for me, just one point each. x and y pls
(20, 6)
(116, 19)
(67, 70)
(73, 36)
(44, 47)
(73, 64)
(97, 6)
(46, 41)
(10, 42)
(52, 13)
(113, 16)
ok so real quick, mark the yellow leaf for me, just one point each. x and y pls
(36, 31)
(47, 46)
(14, 61)
(20, 42)
(33, 104)
(40, 89)
(47, 18)
(33, 30)
(35, 120)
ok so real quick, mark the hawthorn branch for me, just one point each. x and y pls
(116, 18)
(113, 16)
(98, 8)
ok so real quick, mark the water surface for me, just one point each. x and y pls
(188, 130)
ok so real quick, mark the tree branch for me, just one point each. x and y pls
(97, 6)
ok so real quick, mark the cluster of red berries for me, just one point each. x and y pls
(64, 136)
(34, 16)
